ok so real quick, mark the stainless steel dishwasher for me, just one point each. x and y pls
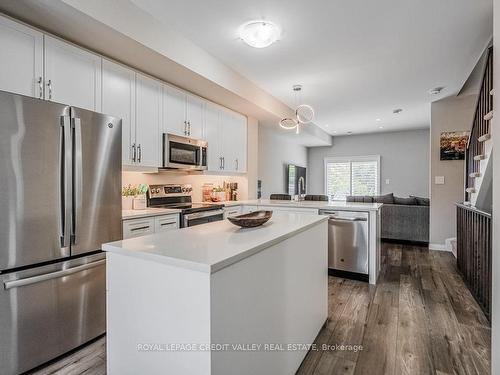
(347, 243)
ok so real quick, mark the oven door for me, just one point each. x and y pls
(184, 153)
(197, 218)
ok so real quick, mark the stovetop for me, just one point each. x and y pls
(188, 208)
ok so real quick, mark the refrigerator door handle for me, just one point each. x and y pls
(53, 275)
(65, 179)
(77, 178)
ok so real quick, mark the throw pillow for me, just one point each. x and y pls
(411, 201)
(422, 201)
(387, 198)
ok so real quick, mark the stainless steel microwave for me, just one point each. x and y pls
(184, 152)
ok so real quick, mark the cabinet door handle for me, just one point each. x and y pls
(237, 164)
(49, 85)
(139, 153)
(189, 127)
(185, 127)
(134, 153)
(223, 162)
(220, 162)
(139, 228)
(40, 87)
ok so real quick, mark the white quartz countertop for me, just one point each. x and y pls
(340, 205)
(148, 212)
(211, 247)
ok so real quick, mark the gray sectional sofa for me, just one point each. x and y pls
(402, 219)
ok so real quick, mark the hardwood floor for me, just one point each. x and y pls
(420, 319)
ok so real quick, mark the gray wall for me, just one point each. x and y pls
(404, 160)
(455, 113)
(275, 152)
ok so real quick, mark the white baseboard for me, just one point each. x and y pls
(437, 246)
(442, 247)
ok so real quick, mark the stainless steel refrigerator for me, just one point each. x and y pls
(60, 182)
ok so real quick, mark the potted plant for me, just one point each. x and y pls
(139, 202)
(128, 194)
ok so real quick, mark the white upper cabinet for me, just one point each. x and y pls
(72, 75)
(21, 65)
(148, 121)
(234, 142)
(226, 134)
(194, 116)
(240, 133)
(118, 99)
(183, 114)
(213, 137)
(174, 111)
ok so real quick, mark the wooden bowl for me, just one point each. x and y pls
(253, 219)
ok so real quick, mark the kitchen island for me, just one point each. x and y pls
(217, 299)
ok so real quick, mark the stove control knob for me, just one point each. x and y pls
(158, 191)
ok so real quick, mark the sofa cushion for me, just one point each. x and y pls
(359, 199)
(411, 201)
(422, 201)
(387, 198)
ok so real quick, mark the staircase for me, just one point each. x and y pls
(479, 161)
(474, 228)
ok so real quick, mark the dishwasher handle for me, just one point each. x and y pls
(351, 219)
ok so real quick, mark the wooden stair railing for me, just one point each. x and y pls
(480, 127)
(474, 253)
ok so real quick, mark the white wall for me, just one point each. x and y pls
(404, 160)
(275, 153)
(455, 113)
(495, 312)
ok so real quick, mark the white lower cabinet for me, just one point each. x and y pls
(138, 227)
(149, 225)
(166, 223)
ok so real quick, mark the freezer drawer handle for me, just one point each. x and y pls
(170, 223)
(48, 276)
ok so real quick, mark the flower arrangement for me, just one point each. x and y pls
(134, 197)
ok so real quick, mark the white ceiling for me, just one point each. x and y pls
(357, 60)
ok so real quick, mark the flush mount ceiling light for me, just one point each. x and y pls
(436, 90)
(259, 34)
(304, 113)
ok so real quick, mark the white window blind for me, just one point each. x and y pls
(351, 176)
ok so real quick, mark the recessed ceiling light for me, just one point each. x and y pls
(378, 119)
(436, 90)
(259, 34)
(397, 111)
(335, 131)
(380, 127)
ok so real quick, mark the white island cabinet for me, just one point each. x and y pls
(217, 299)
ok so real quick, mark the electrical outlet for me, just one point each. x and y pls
(387, 181)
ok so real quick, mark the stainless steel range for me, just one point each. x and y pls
(179, 196)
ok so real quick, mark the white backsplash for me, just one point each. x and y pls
(196, 180)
